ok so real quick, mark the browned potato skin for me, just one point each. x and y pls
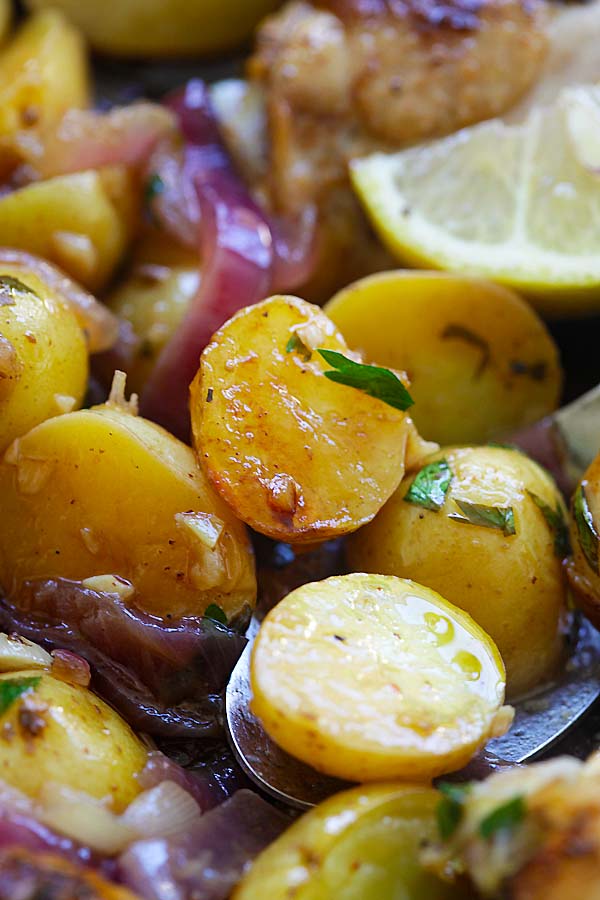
(65, 734)
(52, 878)
(512, 586)
(296, 456)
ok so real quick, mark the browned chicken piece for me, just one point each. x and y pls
(348, 77)
(542, 837)
(338, 87)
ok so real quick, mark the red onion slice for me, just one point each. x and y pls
(243, 254)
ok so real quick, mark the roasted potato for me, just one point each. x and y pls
(484, 526)
(81, 222)
(583, 566)
(6, 17)
(43, 354)
(43, 73)
(480, 361)
(104, 492)
(368, 677)
(163, 27)
(297, 456)
(62, 733)
(362, 843)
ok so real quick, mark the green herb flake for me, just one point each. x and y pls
(153, 187)
(503, 818)
(450, 809)
(430, 486)
(500, 517)
(586, 529)
(380, 383)
(13, 688)
(556, 523)
(215, 613)
(297, 345)
(10, 286)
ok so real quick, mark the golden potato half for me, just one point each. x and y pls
(484, 526)
(62, 733)
(481, 362)
(298, 457)
(363, 843)
(163, 27)
(104, 492)
(371, 677)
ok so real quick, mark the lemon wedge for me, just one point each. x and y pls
(519, 204)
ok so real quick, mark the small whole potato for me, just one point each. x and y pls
(484, 527)
(102, 492)
(163, 27)
(62, 733)
(43, 354)
(481, 362)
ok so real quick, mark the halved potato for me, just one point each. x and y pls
(363, 843)
(371, 677)
(481, 362)
(43, 353)
(296, 456)
(81, 222)
(103, 492)
(62, 733)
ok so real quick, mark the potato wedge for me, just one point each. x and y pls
(362, 843)
(104, 492)
(503, 565)
(43, 354)
(480, 360)
(43, 73)
(296, 456)
(65, 734)
(81, 222)
(371, 677)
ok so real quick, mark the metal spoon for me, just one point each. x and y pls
(566, 442)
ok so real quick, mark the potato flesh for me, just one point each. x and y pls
(102, 492)
(296, 456)
(77, 741)
(45, 373)
(481, 362)
(80, 222)
(163, 27)
(512, 586)
(362, 844)
(369, 677)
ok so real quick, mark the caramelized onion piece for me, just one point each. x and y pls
(164, 678)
